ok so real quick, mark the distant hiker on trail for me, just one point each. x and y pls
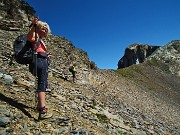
(72, 69)
(39, 67)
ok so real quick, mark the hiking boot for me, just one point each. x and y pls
(43, 114)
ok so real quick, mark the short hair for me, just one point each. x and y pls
(40, 24)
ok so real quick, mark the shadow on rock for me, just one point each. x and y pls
(14, 103)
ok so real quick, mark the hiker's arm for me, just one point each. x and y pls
(32, 34)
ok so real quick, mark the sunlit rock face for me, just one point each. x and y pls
(170, 55)
(135, 54)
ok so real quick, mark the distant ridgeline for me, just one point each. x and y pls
(168, 54)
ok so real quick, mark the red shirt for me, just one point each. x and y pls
(41, 48)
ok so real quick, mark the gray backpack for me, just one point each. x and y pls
(23, 52)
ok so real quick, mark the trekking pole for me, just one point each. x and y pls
(36, 78)
(35, 53)
(35, 66)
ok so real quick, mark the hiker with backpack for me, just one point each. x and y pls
(72, 69)
(39, 65)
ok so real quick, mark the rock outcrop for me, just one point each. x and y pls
(14, 15)
(170, 55)
(135, 54)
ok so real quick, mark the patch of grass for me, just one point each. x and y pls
(102, 118)
(154, 62)
(123, 72)
(129, 71)
(157, 63)
(94, 104)
(120, 132)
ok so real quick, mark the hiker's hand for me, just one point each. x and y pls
(35, 20)
(49, 55)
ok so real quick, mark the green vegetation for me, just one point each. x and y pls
(157, 63)
(120, 132)
(154, 62)
(129, 71)
(102, 118)
(94, 104)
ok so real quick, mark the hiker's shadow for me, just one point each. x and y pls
(14, 103)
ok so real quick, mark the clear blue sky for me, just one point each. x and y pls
(104, 28)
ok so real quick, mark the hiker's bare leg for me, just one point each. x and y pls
(43, 114)
(41, 99)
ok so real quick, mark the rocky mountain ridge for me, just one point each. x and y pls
(135, 54)
(140, 99)
(138, 53)
(169, 54)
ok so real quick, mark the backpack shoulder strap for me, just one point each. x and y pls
(37, 45)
